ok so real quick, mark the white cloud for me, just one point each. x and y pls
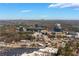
(55, 5)
(44, 16)
(64, 5)
(26, 11)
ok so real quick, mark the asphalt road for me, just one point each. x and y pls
(17, 51)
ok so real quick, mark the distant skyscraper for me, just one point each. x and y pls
(57, 28)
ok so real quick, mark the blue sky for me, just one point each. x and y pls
(39, 11)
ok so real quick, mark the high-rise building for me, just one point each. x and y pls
(58, 28)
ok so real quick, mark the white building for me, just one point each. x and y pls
(77, 36)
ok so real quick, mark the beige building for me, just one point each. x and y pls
(59, 34)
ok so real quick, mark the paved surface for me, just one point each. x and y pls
(17, 51)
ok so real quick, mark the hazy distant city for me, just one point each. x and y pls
(39, 37)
